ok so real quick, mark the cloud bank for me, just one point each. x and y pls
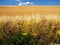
(25, 3)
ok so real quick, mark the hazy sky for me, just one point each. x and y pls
(30, 2)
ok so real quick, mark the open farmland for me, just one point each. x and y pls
(29, 25)
(29, 10)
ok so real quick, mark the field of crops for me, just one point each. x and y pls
(30, 30)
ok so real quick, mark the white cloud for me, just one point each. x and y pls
(25, 3)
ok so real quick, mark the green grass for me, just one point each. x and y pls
(20, 39)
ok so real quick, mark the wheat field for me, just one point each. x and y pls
(29, 25)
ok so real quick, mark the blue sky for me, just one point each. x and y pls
(30, 2)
